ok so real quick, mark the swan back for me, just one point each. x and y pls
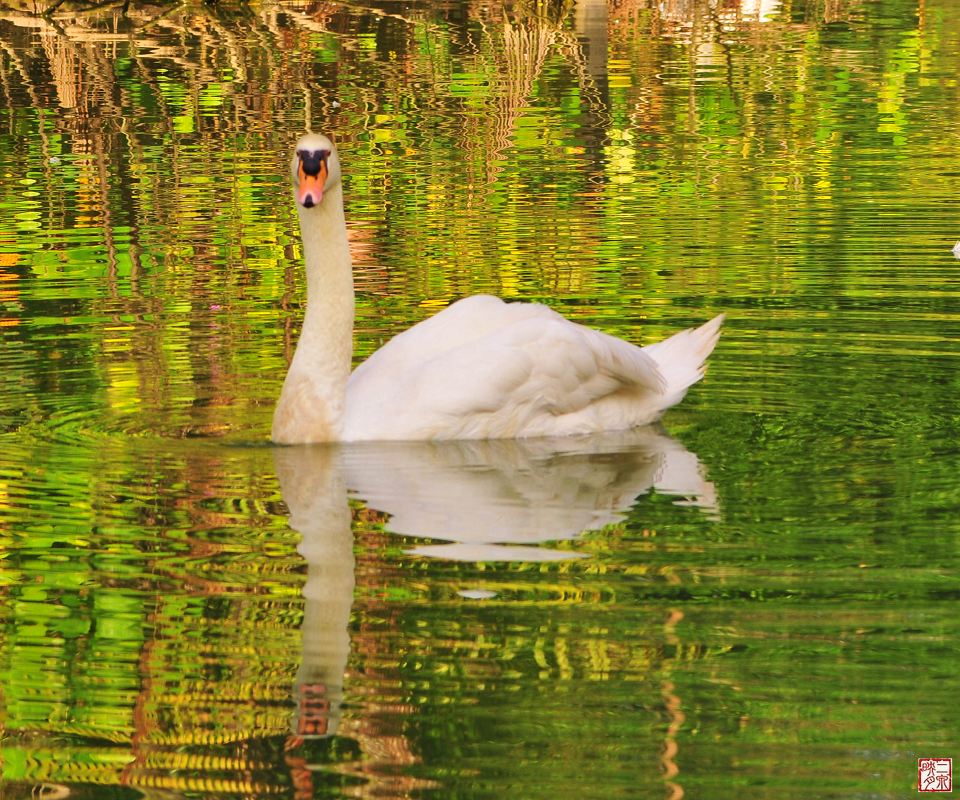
(485, 369)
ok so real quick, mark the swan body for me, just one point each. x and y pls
(479, 369)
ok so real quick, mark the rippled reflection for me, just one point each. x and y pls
(487, 497)
(636, 165)
(493, 499)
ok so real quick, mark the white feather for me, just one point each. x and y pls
(486, 369)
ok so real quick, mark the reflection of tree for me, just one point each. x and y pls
(159, 118)
(155, 245)
(527, 39)
(203, 585)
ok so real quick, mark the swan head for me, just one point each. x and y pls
(315, 169)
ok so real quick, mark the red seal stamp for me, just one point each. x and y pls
(934, 774)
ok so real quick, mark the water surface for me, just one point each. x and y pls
(756, 598)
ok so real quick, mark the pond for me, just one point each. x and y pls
(756, 597)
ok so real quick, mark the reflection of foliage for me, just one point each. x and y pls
(675, 153)
(656, 135)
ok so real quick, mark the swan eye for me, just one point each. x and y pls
(311, 161)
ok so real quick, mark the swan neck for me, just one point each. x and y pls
(327, 254)
(312, 402)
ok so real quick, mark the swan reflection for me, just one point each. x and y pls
(484, 500)
(494, 499)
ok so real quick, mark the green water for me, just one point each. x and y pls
(756, 599)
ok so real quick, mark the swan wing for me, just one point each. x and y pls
(483, 368)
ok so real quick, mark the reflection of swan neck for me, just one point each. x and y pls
(314, 490)
(312, 401)
(328, 596)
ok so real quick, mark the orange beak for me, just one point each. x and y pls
(310, 187)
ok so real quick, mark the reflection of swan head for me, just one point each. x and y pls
(315, 169)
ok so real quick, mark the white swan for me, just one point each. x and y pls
(480, 369)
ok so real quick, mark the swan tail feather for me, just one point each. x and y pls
(681, 359)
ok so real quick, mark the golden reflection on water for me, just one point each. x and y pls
(638, 166)
(181, 648)
(154, 191)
